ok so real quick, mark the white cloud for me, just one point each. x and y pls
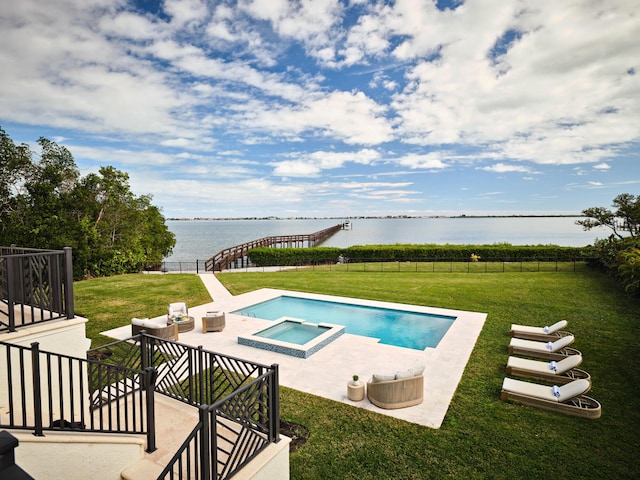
(313, 163)
(311, 22)
(503, 168)
(195, 61)
(602, 166)
(125, 158)
(184, 12)
(351, 117)
(428, 161)
(176, 142)
(130, 25)
(544, 98)
(51, 75)
(221, 30)
(362, 186)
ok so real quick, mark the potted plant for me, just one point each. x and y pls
(356, 381)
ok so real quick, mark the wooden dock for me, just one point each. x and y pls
(236, 256)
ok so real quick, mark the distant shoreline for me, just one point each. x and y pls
(189, 219)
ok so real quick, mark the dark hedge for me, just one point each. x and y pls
(413, 253)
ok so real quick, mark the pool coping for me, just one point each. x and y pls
(327, 372)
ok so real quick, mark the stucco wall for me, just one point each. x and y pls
(77, 457)
(271, 464)
(67, 337)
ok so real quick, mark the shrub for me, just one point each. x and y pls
(629, 270)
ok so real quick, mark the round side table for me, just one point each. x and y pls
(185, 325)
(355, 392)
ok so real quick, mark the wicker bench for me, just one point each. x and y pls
(401, 390)
(157, 327)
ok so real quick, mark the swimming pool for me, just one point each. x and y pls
(402, 328)
(292, 336)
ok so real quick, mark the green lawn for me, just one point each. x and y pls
(111, 302)
(481, 437)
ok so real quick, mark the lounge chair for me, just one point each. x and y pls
(560, 372)
(177, 310)
(551, 332)
(550, 350)
(569, 398)
(213, 322)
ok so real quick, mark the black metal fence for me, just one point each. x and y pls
(196, 266)
(44, 391)
(113, 392)
(35, 286)
(439, 265)
(238, 402)
(455, 265)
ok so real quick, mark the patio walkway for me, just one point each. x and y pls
(326, 372)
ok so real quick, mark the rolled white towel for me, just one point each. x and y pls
(553, 366)
(546, 329)
(556, 391)
(550, 345)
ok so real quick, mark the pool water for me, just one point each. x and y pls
(401, 328)
(292, 332)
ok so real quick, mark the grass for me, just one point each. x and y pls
(481, 437)
(453, 267)
(111, 302)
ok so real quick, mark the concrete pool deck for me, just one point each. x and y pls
(326, 372)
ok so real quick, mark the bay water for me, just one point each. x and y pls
(201, 239)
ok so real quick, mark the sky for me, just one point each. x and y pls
(329, 108)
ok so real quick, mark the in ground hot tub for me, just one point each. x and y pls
(293, 336)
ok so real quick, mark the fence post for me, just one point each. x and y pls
(11, 285)
(201, 377)
(149, 378)
(208, 452)
(68, 282)
(274, 405)
(143, 350)
(37, 392)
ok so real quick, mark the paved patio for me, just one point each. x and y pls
(326, 372)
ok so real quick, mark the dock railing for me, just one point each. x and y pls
(237, 256)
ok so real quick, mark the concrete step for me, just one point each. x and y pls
(174, 422)
(145, 469)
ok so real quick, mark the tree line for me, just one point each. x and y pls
(45, 203)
